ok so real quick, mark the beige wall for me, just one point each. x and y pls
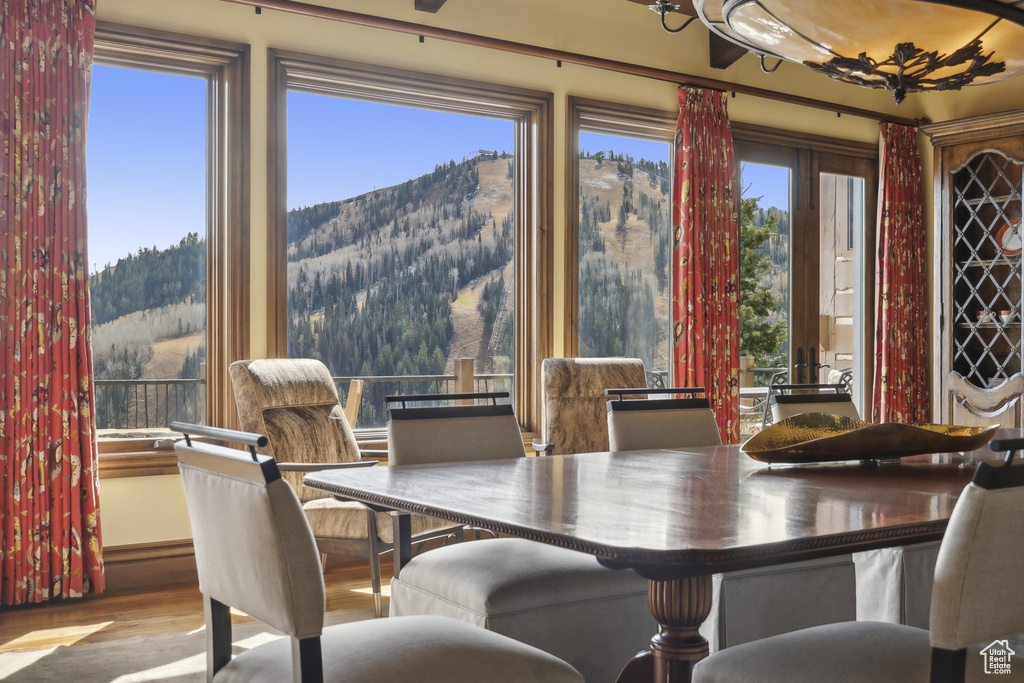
(611, 29)
(143, 510)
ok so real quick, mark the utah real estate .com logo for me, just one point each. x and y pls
(997, 657)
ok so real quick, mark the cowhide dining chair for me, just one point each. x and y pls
(294, 402)
(573, 401)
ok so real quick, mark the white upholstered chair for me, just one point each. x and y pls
(977, 607)
(753, 603)
(294, 402)
(556, 599)
(255, 552)
(660, 423)
(454, 433)
(893, 584)
(787, 400)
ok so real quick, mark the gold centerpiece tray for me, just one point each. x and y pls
(824, 437)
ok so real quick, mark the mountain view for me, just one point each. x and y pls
(402, 280)
(405, 279)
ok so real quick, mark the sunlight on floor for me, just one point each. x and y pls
(65, 635)
(385, 590)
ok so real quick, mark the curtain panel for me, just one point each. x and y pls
(902, 387)
(49, 517)
(705, 223)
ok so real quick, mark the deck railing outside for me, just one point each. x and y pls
(373, 411)
(155, 403)
(148, 403)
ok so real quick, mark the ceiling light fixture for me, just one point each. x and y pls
(903, 46)
(663, 7)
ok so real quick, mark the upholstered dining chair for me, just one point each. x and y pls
(977, 605)
(559, 600)
(255, 551)
(573, 398)
(459, 432)
(893, 584)
(787, 400)
(294, 402)
(660, 423)
(753, 603)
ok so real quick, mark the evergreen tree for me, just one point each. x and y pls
(763, 326)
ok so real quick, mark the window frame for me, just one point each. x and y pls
(226, 68)
(529, 110)
(606, 118)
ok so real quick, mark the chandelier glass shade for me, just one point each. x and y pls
(900, 45)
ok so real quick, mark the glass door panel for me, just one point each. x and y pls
(840, 283)
(764, 285)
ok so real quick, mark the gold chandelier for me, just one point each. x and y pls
(903, 46)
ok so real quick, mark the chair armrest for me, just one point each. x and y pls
(318, 466)
(541, 447)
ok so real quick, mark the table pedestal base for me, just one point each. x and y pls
(680, 606)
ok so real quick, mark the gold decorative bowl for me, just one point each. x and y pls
(824, 437)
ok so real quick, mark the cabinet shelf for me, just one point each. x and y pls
(1014, 326)
(1013, 262)
(999, 200)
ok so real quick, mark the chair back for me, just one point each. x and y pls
(254, 548)
(785, 402)
(294, 402)
(662, 422)
(353, 400)
(455, 433)
(977, 596)
(574, 401)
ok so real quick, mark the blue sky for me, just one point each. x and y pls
(337, 148)
(340, 148)
(132, 202)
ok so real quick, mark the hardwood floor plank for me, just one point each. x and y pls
(174, 608)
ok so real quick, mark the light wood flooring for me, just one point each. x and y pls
(172, 608)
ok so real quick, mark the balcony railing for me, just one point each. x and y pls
(373, 411)
(148, 403)
(154, 403)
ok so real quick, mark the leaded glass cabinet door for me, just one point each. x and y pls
(979, 184)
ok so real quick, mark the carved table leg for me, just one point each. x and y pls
(680, 606)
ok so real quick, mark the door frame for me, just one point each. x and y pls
(809, 156)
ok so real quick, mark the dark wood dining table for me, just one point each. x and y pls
(677, 517)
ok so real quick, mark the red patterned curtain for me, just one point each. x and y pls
(49, 517)
(706, 233)
(902, 391)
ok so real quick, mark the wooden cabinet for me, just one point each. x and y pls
(978, 267)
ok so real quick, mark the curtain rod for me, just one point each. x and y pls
(348, 17)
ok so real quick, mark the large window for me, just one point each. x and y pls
(167, 196)
(619, 205)
(405, 231)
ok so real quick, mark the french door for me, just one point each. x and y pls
(818, 199)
